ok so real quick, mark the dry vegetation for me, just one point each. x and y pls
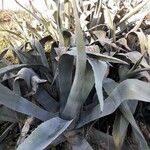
(82, 76)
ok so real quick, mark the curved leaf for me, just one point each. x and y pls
(11, 68)
(15, 102)
(122, 120)
(75, 93)
(65, 69)
(126, 111)
(45, 134)
(126, 90)
(98, 56)
(48, 102)
(100, 70)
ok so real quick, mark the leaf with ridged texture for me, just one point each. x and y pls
(15, 102)
(45, 134)
(126, 90)
(40, 49)
(73, 102)
(87, 86)
(65, 77)
(100, 70)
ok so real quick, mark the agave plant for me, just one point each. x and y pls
(90, 79)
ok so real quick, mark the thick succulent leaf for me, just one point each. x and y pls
(26, 57)
(126, 111)
(88, 82)
(119, 130)
(31, 78)
(100, 70)
(26, 74)
(126, 90)
(16, 87)
(45, 134)
(87, 86)
(137, 64)
(98, 56)
(54, 63)
(15, 102)
(120, 124)
(11, 68)
(122, 121)
(133, 71)
(48, 102)
(37, 45)
(65, 77)
(109, 85)
(75, 92)
(106, 58)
